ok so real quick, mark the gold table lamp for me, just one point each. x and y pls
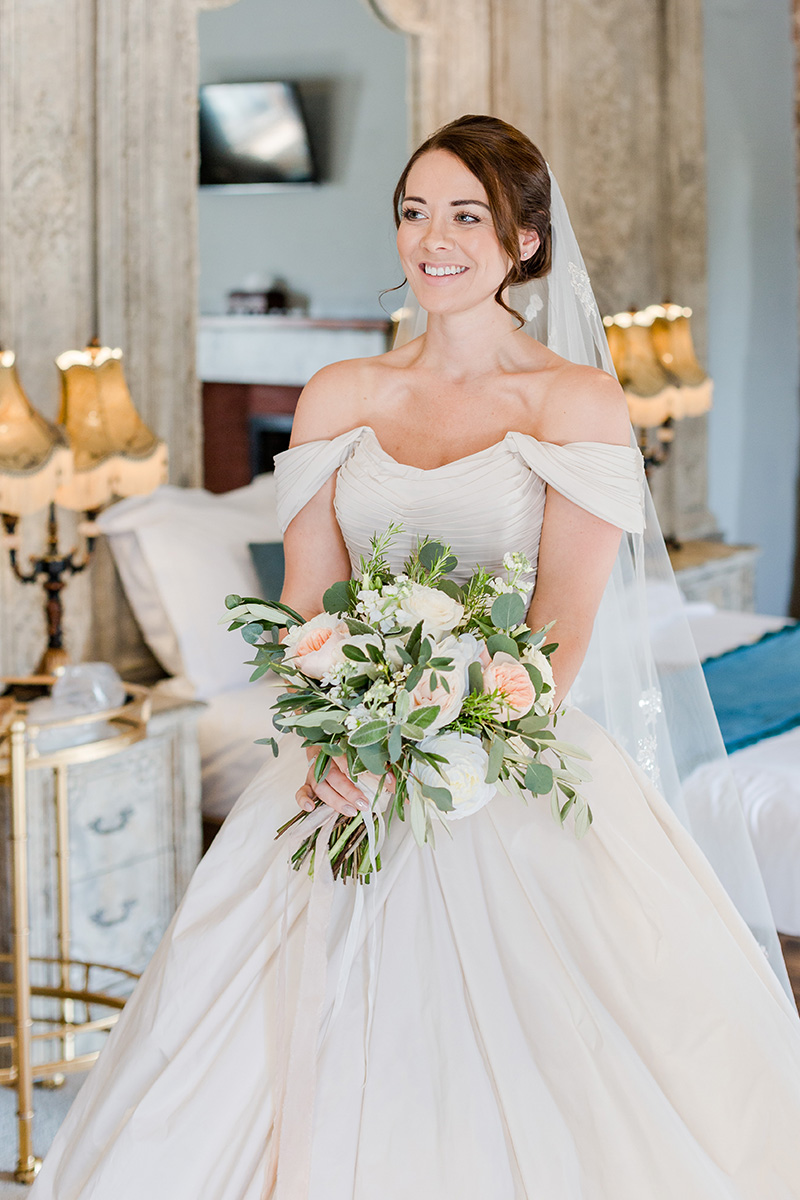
(655, 361)
(100, 451)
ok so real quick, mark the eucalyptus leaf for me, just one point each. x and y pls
(440, 796)
(252, 632)
(570, 749)
(429, 553)
(508, 610)
(418, 822)
(583, 820)
(373, 757)
(449, 586)
(475, 677)
(270, 741)
(395, 745)
(535, 676)
(539, 778)
(501, 641)
(369, 733)
(337, 597)
(412, 731)
(496, 754)
(322, 765)
(532, 723)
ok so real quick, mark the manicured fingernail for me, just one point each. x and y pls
(362, 804)
(349, 810)
(309, 806)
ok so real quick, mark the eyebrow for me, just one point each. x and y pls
(453, 203)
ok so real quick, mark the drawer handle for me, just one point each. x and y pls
(101, 919)
(124, 817)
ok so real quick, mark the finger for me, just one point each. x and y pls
(305, 797)
(334, 799)
(341, 782)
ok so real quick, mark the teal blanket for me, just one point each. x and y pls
(756, 689)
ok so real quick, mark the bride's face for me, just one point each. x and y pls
(446, 240)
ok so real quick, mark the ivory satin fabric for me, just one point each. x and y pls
(550, 1019)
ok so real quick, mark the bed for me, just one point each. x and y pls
(179, 551)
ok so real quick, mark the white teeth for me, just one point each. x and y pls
(429, 270)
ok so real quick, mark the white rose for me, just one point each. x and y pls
(534, 656)
(438, 612)
(464, 773)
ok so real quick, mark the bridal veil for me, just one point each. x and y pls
(641, 678)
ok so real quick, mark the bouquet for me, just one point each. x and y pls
(440, 686)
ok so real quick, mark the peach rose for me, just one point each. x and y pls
(423, 696)
(508, 676)
(316, 647)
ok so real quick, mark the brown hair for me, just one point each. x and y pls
(517, 183)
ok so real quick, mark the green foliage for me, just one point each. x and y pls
(508, 610)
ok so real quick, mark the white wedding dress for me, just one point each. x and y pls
(522, 1016)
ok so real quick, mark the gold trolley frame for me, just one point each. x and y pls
(18, 755)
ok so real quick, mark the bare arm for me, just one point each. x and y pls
(313, 545)
(577, 550)
(315, 553)
(576, 554)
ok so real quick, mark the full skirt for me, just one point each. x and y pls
(515, 1015)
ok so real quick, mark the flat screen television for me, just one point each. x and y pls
(254, 136)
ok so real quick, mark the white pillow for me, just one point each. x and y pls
(179, 552)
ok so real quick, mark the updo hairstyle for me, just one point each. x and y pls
(517, 183)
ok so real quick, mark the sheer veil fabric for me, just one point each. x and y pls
(641, 678)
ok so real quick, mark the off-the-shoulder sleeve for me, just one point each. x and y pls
(301, 471)
(604, 479)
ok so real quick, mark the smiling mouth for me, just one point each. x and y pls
(439, 269)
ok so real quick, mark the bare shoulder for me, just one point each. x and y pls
(332, 401)
(583, 404)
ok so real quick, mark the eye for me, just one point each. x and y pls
(412, 214)
(467, 218)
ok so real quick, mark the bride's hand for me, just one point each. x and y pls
(337, 790)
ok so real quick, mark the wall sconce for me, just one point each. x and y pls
(100, 451)
(655, 361)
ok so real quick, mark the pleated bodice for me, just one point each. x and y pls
(482, 505)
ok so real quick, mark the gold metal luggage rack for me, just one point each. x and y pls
(76, 998)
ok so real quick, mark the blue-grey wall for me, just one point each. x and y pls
(752, 263)
(333, 243)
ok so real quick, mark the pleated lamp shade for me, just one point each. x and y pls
(115, 454)
(656, 364)
(35, 459)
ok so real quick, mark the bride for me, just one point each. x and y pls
(515, 1015)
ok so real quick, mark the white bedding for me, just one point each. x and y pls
(767, 774)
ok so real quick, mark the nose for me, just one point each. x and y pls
(438, 235)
